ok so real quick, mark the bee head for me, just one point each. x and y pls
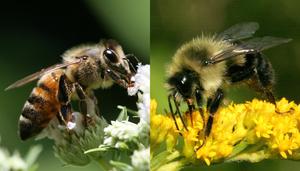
(116, 63)
(100, 65)
(184, 83)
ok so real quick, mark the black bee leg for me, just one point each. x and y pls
(191, 107)
(63, 96)
(133, 62)
(238, 73)
(199, 102)
(82, 102)
(66, 112)
(117, 78)
(212, 107)
(265, 77)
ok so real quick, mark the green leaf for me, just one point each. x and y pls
(163, 158)
(121, 166)
(33, 154)
(123, 114)
(99, 149)
(239, 148)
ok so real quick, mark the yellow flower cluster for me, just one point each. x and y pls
(252, 131)
(162, 129)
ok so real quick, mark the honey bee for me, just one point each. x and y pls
(202, 68)
(84, 68)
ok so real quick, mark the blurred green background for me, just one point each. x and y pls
(176, 22)
(33, 35)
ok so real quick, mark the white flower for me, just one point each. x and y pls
(141, 159)
(144, 107)
(119, 133)
(142, 83)
(15, 162)
(142, 80)
(4, 165)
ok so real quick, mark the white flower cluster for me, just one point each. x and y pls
(120, 133)
(15, 162)
(142, 88)
(132, 137)
(141, 159)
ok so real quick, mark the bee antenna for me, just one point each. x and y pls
(178, 111)
(172, 111)
(131, 63)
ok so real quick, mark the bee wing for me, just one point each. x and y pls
(254, 45)
(239, 31)
(38, 74)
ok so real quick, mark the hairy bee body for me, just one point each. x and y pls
(190, 58)
(41, 106)
(84, 68)
(202, 68)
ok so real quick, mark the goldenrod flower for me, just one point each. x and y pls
(162, 129)
(252, 131)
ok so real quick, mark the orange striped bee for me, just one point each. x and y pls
(83, 69)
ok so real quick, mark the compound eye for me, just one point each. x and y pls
(110, 55)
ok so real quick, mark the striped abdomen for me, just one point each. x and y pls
(41, 106)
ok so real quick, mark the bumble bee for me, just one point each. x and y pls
(202, 68)
(83, 69)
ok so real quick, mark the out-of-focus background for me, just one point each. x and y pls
(174, 23)
(33, 35)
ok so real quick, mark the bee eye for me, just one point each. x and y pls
(206, 62)
(84, 57)
(110, 55)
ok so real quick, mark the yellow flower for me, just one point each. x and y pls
(162, 129)
(252, 131)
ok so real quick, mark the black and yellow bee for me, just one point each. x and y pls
(203, 67)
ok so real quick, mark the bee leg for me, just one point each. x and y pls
(117, 78)
(64, 90)
(133, 62)
(63, 95)
(259, 73)
(212, 106)
(265, 77)
(95, 100)
(82, 102)
(65, 113)
(60, 119)
(238, 73)
(191, 108)
(199, 102)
